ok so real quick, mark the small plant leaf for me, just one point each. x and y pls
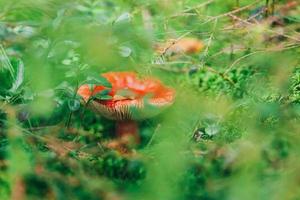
(125, 51)
(124, 17)
(73, 104)
(19, 76)
(99, 80)
(103, 95)
(57, 21)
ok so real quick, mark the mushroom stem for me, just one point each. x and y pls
(128, 129)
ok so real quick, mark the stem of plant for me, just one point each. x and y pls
(69, 119)
(71, 112)
(273, 7)
(237, 3)
(267, 8)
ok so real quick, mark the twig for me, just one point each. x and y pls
(210, 38)
(32, 129)
(259, 51)
(239, 19)
(173, 43)
(232, 12)
(223, 75)
(193, 8)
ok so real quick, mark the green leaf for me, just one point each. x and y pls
(57, 21)
(5, 64)
(102, 95)
(103, 92)
(19, 76)
(11, 73)
(73, 104)
(105, 97)
(99, 80)
(124, 17)
(125, 51)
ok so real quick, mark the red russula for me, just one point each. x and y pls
(132, 99)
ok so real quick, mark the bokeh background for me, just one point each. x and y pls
(232, 133)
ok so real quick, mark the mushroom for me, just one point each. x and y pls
(183, 45)
(132, 99)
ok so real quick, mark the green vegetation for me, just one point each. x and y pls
(232, 132)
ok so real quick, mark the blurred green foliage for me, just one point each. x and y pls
(233, 132)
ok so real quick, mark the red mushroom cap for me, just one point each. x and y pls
(131, 98)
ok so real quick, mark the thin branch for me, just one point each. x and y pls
(184, 12)
(259, 51)
(231, 12)
(173, 43)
